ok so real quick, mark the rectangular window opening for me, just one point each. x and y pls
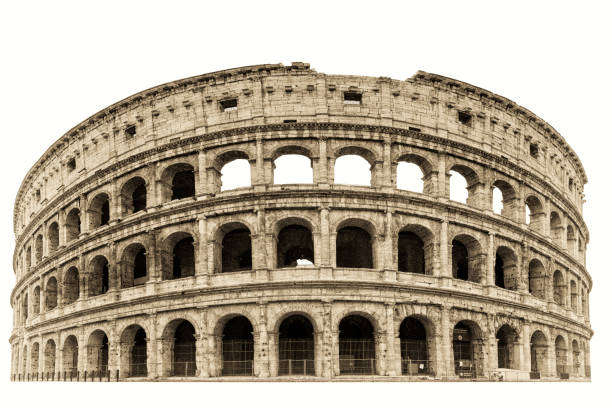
(130, 131)
(71, 164)
(38, 195)
(228, 105)
(352, 98)
(465, 118)
(289, 121)
(533, 150)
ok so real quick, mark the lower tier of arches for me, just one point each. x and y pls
(308, 339)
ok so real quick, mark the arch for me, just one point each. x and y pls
(36, 301)
(28, 258)
(133, 352)
(357, 351)
(53, 236)
(559, 288)
(414, 347)
(292, 165)
(467, 258)
(73, 225)
(99, 211)
(508, 198)
(571, 240)
(237, 347)
(51, 293)
(508, 348)
(178, 256)
(539, 353)
(71, 285)
(34, 356)
(177, 181)
(98, 276)
(233, 170)
(294, 245)
(133, 196)
(574, 296)
(537, 279)
(134, 265)
(182, 348)
(296, 346)
(355, 244)
(70, 355)
(556, 228)
(354, 165)
(49, 357)
(468, 350)
(534, 216)
(506, 268)
(97, 353)
(463, 177)
(235, 249)
(414, 173)
(38, 248)
(561, 356)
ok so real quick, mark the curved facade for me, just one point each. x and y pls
(134, 261)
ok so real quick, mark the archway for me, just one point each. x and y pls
(294, 247)
(133, 196)
(467, 258)
(353, 248)
(237, 347)
(71, 285)
(134, 352)
(539, 354)
(357, 350)
(561, 357)
(537, 279)
(98, 278)
(467, 349)
(97, 354)
(413, 345)
(236, 249)
(296, 354)
(51, 294)
(507, 348)
(71, 356)
(184, 351)
(49, 363)
(99, 211)
(73, 224)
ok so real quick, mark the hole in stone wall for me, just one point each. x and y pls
(458, 187)
(353, 248)
(465, 118)
(352, 169)
(235, 174)
(294, 245)
(130, 131)
(292, 169)
(71, 164)
(352, 98)
(236, 251)
(534, 151)
(409, 177)
(228, 105)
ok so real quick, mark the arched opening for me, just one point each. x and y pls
(38, 248)
(410, 253)
(237, 347)
(49, 363)
(574, 296)
(133, 196)
(177, 182)
(534, 213)
(99, 211)
(556, 228)
(73, 225)
(71, 285)
(561, 356)
(70, 354)
(28, 259)
(354, 247)
(34, 353)
(134, 266)
(293, 169)
(235, 174)
(53, 234)
(539, 353)
(467, 259)
(410, 177)
(537, 279)
(184, 351)
(97, 354)
(294, 247)
(178, 256)
(467, 349)
(571, 240)
(576, 358)
(506, 269)
(508, 348)
(296, 353)
(236, 248)
(353, 168)
(504, 198)
(51, 294)
(413, 345)
(36, 301)
(357, 351)
(98, 276)
(559, 294)
(134, 352)
(25, 308)
(458, 187)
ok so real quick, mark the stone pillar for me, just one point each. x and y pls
(259, 177)
(320, 176)
(83, 215)
(202, 175)
(445, 265)
(329, 347)
(324, 242)
(201, 363)
(62, 228)
(389, 262)
(386, 180)
(261, 344)
(444, 346)
(394, 363)
(525, 363)
(442, 188)
(490, 274)
(153, 351)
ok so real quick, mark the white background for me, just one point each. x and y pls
(61, 62)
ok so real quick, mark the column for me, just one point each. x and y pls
(444, 347)
(321, 174)
(202, 175)
(260, 338)
(201, 264)
(445, 268)
(394, 364)
(490, 274)
(442, 189)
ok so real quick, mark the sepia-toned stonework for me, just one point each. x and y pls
(132, 264)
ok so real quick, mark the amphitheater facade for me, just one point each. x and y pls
(133, 262)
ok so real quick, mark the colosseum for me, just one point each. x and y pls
(134, 262)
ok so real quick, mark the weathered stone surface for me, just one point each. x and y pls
(127, 247)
